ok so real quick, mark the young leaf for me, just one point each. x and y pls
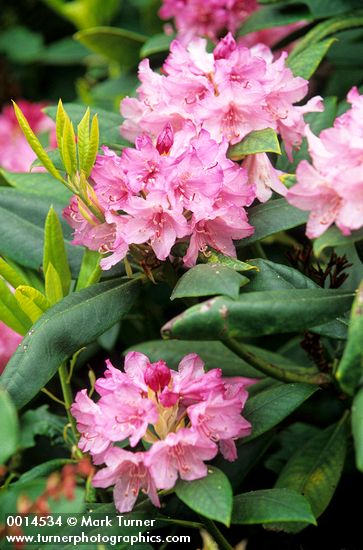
(35, 144)
(357, 428)
(268, 408)
(83, 140)
(55, 252)
(53, 285)
(90, 272)
(93, 146)
(315, 469)
(32, 302)
(215, 257)
(258, 141)
(270, 506)
(210, 496)
(59, 124)
(11, 275)
(208, 280)
(258, 313)
(350, 370)
(9, 427)
(69, 150)
(71, 324)
(10, 312)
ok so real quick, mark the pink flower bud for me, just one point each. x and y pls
(165, 139)
(157, 376)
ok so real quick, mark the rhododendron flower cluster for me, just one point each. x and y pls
(230, 93)
(182, 417)
(331, 188)
(9, 341)
(206, 17)
(16, 154)
(162, 192)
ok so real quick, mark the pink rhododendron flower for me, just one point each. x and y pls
(331, 188)
(9, 341)
(182, 415)
(15, 153)
(206, 17)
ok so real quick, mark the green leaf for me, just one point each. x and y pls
(83, 140)
(269, 407)
(270, 506)
(53, 285)
(326, 8)
(350, 369)
(39, 184)
(116, 44)
(215, 257)
(9, 427)
(273, 276)
(208, 280)
(41, 422)
(210, 496)
(90, 272)
(22, 218)
(357, 428)
(272, 217)
(109, 123)
(158, 43)
(64, 52)
(31, 301)
(306, 63)
(258, 141)
(35, 144)
(272, 16)
(54, 250)
(73, 323)
(315, 469)
(333, 237)
(13, 276)
(258, 313)
(94, 139)
(10, 312)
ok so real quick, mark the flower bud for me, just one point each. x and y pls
(157, 376)
(165, 139)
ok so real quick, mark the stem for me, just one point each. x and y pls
(259, 251)
(68, 396)
(213, 530)
(280, 373)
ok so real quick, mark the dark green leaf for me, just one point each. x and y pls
(269, 506)
(258, 141)
(158, 43)
(258, 313)
(41, 422)
(272, 217)
(116, 44)
(273, 276)
(9, 427)
(43, 470)
(209, 280)
(210, 496)
(269, 407)
(272, 16)
(357, 428)
(64, 52)
(350, 370)
(306, 63)
(315, 469)
(40, 184)
(333, 237)
(65, 328)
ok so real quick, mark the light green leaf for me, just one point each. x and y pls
(10, 312)
(53, 285)
(270, 506)
(55, 252)
(258, 141)
(83, 140)
(93, 145)
(73, 323)
(13, 276)
(35, 144)
(9, 427)
(215, 257)
(158, 43)
(208, 280)
(210, 496)
(31, 301)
